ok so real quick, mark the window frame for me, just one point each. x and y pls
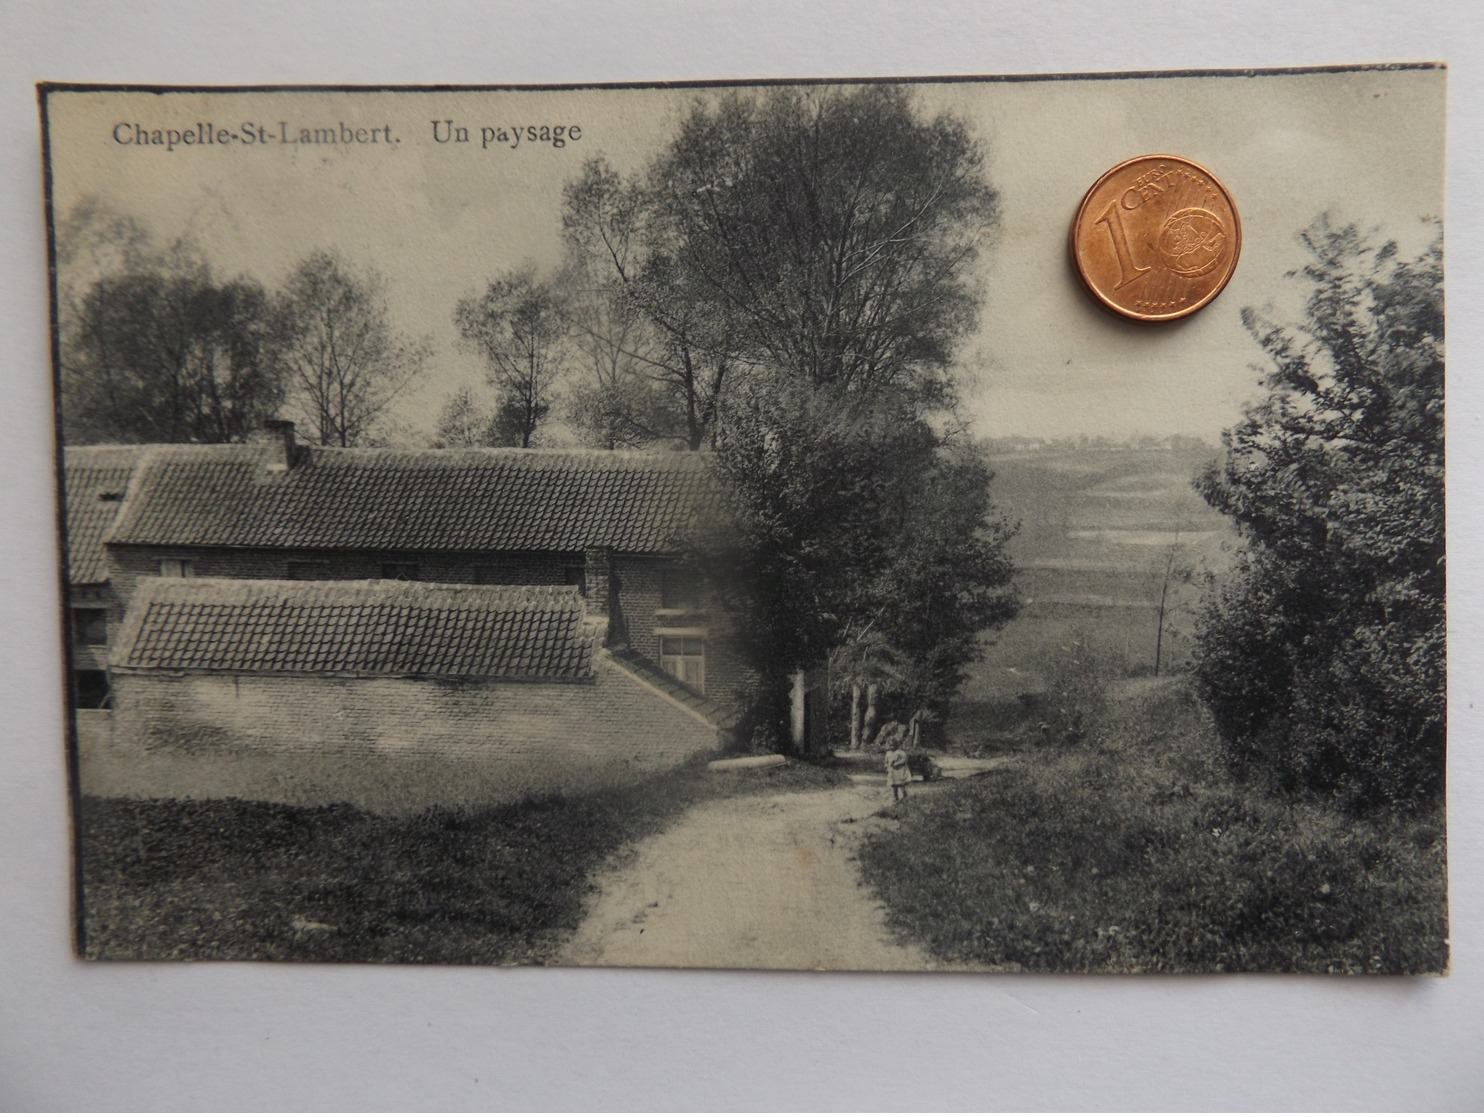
(670, 660)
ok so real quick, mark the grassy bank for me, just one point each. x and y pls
(227, 879)
(1135, 851)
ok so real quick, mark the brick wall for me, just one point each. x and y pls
(639, 596)
(642, 596)
(94, 743)
(390, 745)
(640, 579)
(727, 678)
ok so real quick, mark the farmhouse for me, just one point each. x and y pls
(441, 552)
(388, 694)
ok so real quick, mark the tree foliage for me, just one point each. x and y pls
(820, 244)
(657, 355)
(93, 241)
(858, 539)
(946, 578)
(155, 349)
(161, 352)
(829, 232)
(462, 422)
(1323, 657)
(519, 327)
(344, 361)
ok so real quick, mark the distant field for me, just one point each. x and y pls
(1098, 527)
(1072, 502)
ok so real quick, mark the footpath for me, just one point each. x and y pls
(752, 882)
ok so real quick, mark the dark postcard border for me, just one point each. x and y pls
(59, 477)
(46, 87)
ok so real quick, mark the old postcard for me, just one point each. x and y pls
(983, 524)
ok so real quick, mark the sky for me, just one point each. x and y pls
(440, 220)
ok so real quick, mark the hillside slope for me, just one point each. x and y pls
(1104, 531)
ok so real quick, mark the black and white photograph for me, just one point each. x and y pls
(978, 524)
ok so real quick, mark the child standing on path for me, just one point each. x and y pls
(898, 775)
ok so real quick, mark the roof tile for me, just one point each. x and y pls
(360, 628)
(95, 478)
(438, 500)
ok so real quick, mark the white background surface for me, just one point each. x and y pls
(321, 1037)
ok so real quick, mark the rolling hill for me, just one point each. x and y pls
(1104, 530)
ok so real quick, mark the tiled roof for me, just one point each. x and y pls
(357, 628)
(95, 478)
(443, 500)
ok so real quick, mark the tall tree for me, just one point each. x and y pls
(831, 235)
(833, 229)
(947, 578)
(344, 361)
(660, 355)
(519, 326)
(153, 348)
(1323, 657)
(165, 355)
(944, 581)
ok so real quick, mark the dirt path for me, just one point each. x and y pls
(749, 882)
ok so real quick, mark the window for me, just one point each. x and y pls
(91, 690)
(680, 591)
(575, 576)
(306, 571)
(399, 571)
(684, 657)
(90, 627)
(177, 568)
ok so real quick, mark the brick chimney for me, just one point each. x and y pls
(279, 435)
(602, 593)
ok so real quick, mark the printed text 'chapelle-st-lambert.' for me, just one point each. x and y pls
(283, 134)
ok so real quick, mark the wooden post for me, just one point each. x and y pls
(855, 716)
(798, 706)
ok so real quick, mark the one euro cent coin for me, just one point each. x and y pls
(1156, 238)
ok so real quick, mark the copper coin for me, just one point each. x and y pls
(1156, 238)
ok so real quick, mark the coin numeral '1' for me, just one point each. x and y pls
(1127, 269)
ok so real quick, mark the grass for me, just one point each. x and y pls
(1136, 851)
(229, 879)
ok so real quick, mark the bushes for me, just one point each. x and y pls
(1137, 851)
(1077, 691)
(1323, 657)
